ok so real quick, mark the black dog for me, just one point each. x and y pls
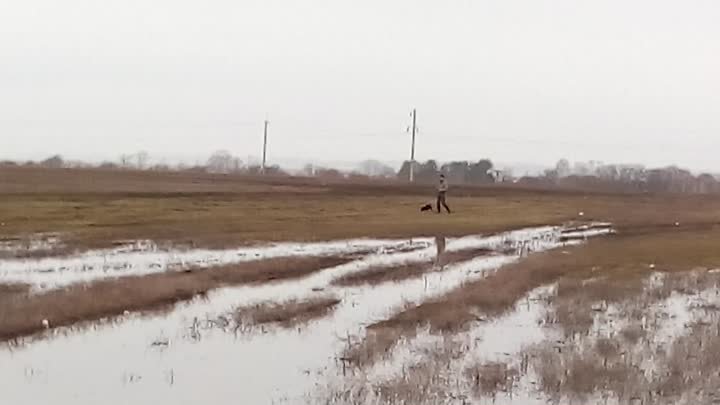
(426, 207)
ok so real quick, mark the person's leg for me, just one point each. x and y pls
(439, 201)
(444, 203)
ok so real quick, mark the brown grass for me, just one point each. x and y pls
(612, 271)
(691, 367)
(431, 380)
(403, 271)
(286, 314)
(633, 334)
(609, 270)
(589, 368)
(577, 301)
(492, 295)
(13, 289)
(10, 293)
(581, 372)
(622, 261)
(489, 378)
(105, 298)
(595, 364)
(377, 344)
(94, 208)
(428, 382)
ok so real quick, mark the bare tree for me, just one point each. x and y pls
(220, 162)
(562, 168)
(142, 159)
(309, 170)
(53, 162)
(108, 166)
(374, 168)
(125, 161)
(237, 165)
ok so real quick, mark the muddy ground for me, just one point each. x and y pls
(317, 295)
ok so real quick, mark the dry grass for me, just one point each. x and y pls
(105, 298)
(286, 314)
(492, 295)
(691, 367)
(430, 381)
(608, 271)
(602, 271)
(13, 289)
(488, 379)
(593, 367)
(583, 372)
(577, 301)
(620, 261)
(440, 376)
(94, 208)
(384, 273)
(403, 271)
(638, 363)
(633, 334)
(377, 344)
(10, 293)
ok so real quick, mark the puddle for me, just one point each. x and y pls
(144, 257)
(181, 358)
(586, 231)
(659, 363)
(499, 341)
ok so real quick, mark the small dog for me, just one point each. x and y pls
(426, 207)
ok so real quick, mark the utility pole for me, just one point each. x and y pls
(412, 148)
(264, 158)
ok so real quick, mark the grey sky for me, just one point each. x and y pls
(514, 80)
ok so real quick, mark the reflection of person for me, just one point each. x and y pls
(442, 192)
(440, 246)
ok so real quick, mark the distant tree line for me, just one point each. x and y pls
(595, 175)
(592, 175)
(220, 162)
(458, 172)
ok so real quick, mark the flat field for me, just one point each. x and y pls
(334, 291)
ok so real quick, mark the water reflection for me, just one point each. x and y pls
(440, 242)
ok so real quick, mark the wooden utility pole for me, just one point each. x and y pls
(264, 159)
(412, 148)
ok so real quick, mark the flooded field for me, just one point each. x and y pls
(288, 341)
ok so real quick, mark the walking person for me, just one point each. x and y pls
(442, 193)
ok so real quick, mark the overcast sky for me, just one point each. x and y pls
(513, 80)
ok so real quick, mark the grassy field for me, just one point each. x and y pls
(93, 208)
(672, 235)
